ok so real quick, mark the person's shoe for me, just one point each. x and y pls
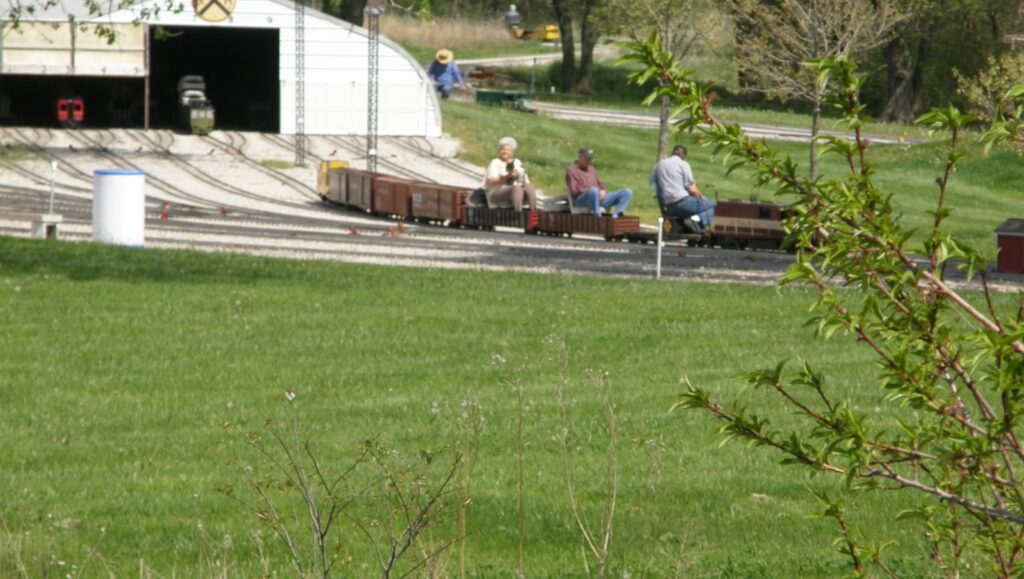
(691, 226)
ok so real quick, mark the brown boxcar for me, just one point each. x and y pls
(391, 195)
(580, 223)
(434, 202)
(487, 218)
(1010, 240)
(360, 189)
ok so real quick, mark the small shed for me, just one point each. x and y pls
(1010, 240)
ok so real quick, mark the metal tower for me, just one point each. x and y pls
(374, 8)
(300, 83)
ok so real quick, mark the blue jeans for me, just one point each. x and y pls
(699, 206)
(445, 89)
(591, 198)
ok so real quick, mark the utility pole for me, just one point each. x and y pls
(300, 83)
(374, 8)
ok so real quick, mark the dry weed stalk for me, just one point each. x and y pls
(470, 424)
(453, 33)
(597, 541)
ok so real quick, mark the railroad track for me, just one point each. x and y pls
(97, 146)
(417, 147)
(236, 147)
(382, 163)
(164, 149)
(37, 145)
(575, 258)
(651, 121)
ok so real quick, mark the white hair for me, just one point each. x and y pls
(507, 141)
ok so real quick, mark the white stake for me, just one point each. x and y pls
(53, 176)
(661, 228)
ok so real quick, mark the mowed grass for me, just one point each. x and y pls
(129, 375)
(983, 192)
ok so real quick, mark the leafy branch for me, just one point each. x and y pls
(951, 370)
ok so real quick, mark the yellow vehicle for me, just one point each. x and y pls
(322, 186)
(546, 33)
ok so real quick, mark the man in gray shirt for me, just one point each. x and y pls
(673, 183)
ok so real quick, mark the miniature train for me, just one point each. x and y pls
(70, 112)
(737, 224)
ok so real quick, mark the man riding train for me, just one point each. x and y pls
(678, 195)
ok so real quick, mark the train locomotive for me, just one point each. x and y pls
(70, 112)
(738, 224)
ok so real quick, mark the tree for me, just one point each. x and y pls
(782, 35)
(566, 12)
(918, 60)
(984, 92)
(679, 24)
(563, 12)
(951, 365)
(588, 41)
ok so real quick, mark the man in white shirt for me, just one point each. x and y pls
(672, 179)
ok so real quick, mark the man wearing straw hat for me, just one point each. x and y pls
(444, 72)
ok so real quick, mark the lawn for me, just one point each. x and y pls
(983, 192)
(130, 378)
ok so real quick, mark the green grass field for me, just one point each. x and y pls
(983, 192)
(123, 368)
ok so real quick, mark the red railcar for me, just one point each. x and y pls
(70, 112)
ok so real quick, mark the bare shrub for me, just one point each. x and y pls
(454, 34)
(322, 514)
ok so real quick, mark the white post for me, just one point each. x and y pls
(661, 228)
(53, 176)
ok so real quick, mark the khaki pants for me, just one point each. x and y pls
(512, 194)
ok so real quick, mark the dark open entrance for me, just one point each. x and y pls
(31, 100)
(240, 67)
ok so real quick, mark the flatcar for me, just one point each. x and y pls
(738, 224)
(70, 112)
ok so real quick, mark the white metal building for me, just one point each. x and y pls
(249, 56)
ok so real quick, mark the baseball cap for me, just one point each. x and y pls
(587, 152)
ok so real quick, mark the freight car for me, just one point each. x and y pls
(389, 196)
(738, 224)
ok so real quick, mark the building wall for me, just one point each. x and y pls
(59, 48)
(336, 83)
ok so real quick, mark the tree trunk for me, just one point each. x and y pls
(588, 40)
(568, 45)
(663, 129)
(901, 71)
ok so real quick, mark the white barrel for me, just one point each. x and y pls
(119, 207)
